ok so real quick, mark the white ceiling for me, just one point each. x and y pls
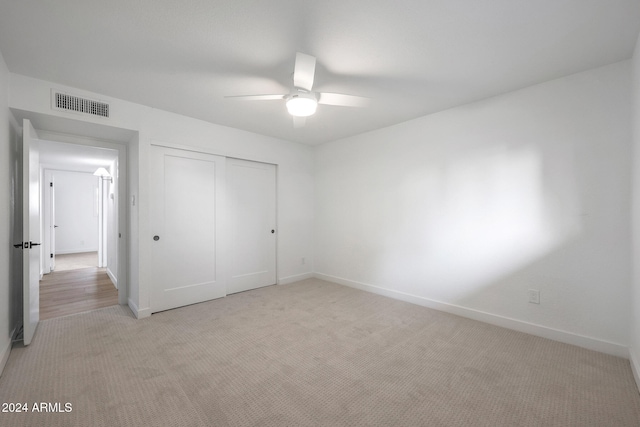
(412, 57)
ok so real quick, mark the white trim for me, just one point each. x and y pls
(6, 351)
(295, 278)
(635, 367)
(493, 319)
(139, 313)
(113, 278)
(216, 152)
(77, 251)
(121, 142)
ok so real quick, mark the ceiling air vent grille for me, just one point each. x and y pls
(63, 101)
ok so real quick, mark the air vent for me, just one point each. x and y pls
(66, 102)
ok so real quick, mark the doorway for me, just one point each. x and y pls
(79, 223)
(28, 210)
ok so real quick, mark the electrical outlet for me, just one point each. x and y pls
(534, 296)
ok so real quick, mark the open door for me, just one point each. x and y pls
(30, 230)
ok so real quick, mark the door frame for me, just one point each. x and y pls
(103, 220)
(122, 205)
(48, 219)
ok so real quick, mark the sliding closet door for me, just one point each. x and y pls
(187, 208)
(251, 195)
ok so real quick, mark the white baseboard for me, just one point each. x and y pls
(295, 278)
(139, 313)
(493, 319)
(635, 368)
(5, 352)
(113, 278)
(76, 251)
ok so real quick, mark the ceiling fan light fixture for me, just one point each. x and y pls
(102, 173)
(301, 106)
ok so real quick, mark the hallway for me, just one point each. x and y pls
(71, 291)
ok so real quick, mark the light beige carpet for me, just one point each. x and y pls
(76, 261)
(309, 354)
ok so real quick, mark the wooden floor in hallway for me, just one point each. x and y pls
(74, 291)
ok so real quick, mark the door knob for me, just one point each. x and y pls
(273, 231)
(156, 238)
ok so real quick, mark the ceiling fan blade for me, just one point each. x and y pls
(343, 100)
(299, 122)
(255, 97)
(304, 71)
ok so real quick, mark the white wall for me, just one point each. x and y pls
(10, 258)
(295, 174)
(76, 212)
(467, 209)
(634, 338)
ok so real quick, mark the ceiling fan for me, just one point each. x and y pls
(302, 102)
